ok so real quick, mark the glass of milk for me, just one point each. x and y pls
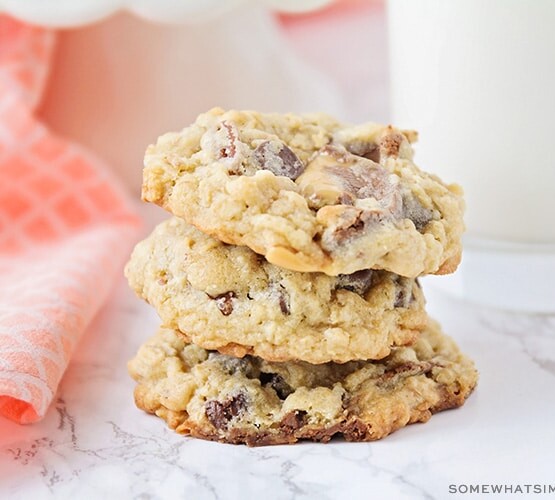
(476, 78)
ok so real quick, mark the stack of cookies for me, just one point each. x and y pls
(286, 281)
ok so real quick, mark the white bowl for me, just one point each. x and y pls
(71, 13)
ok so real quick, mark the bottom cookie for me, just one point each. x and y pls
(213, 396)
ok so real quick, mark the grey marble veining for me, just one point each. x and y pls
(94, 443)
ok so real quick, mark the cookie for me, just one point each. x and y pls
(230, 299)
(308, 193)
(214, 396)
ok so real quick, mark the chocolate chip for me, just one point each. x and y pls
(283, 299)
(283, 305)
(276, 157)
(277, 383)
(224, 302)
(294, 420)
(359, 282)
(220, 413)
(400, 298)
(403, 292)
(413, 210)
(366, 149)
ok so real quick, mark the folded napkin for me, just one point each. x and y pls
(65, 230)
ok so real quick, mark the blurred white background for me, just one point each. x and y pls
(119, 83)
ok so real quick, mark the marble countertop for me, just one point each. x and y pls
(94, 443)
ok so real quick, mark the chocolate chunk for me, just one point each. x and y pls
(334, 176)
(355, 221)
(359, 282)
(413, 210)
(294, 420)
(352, 224)
(229, 149)
(363, 180)
(277, 383)
(276, 157)
(403, 293)
(224, 302)
(346, 199)
(366, 149)
(220, 413)
(223, 143)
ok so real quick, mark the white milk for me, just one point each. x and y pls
(476, 78)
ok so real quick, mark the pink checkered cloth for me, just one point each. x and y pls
(65, 230)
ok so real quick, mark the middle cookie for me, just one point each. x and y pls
(230, 299)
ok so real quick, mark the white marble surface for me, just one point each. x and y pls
(95, 444)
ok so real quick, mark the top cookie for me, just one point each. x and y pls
(308, 193)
